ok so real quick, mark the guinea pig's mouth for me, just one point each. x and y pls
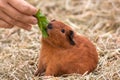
(49, 26)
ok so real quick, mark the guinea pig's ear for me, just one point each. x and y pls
(70, 36)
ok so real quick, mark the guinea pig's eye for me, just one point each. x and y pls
(62, 30)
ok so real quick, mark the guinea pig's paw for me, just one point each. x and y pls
(50, 72)
(38, 73)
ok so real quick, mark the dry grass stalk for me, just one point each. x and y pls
(97, 19)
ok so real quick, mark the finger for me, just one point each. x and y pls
(23, 7)
(24, 26)
(14, 22)
(13, 13)
(4, 24)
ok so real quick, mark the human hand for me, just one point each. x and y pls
(17, 12)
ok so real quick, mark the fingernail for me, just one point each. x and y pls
(35, 21)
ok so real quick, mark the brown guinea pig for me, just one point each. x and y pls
(65, 52)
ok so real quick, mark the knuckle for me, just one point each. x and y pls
(19, 24)
(12, 21)
(6, 25)
(26, 8)
(30, 10)
(18, 17)
(2, 23)
(10, 26)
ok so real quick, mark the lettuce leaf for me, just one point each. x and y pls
(42, 23)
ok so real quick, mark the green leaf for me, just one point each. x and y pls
(42, 23)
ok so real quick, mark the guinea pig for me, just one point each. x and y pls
(65, 52)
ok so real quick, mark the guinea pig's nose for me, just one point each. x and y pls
(49, 26)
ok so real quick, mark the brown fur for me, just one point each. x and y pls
(65, 53)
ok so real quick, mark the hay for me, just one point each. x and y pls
(99, 20)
